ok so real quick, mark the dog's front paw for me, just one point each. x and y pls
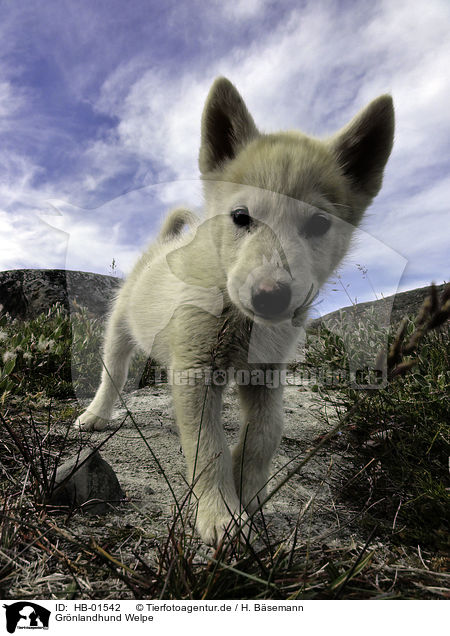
(252, 495)
(251, 486)
(90, 422)
(214, 522)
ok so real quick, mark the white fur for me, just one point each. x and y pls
(190, 300)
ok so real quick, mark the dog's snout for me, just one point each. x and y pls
(270, 299)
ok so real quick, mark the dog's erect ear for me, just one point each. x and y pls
(364, 145)
(227, 126)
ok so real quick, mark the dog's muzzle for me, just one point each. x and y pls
(270, 299)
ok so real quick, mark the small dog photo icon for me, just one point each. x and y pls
(26, 615)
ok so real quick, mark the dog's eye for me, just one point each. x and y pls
(316, 225)
(241, 216)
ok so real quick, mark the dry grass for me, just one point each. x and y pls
(42, 555)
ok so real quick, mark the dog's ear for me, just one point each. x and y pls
(227, 126)
(364, 145)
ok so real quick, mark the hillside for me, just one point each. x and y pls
(25, 293)
(389, 310)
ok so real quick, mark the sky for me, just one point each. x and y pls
(100, 108)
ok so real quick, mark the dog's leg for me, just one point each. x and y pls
(198, 413)
(116, 359)
(260, 435)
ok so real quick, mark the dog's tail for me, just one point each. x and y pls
(175, 222)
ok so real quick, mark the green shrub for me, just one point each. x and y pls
(400, 433)
(42, 351)
(54, 354)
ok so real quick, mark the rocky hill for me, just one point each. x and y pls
(25, 293)
(389, 310)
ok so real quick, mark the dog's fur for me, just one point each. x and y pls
(232, 294)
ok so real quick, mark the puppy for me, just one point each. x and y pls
(225, 296)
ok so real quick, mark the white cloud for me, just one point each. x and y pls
(316, 70)
(313, 69)
(28, 242)
(239, 9)
(10, 103)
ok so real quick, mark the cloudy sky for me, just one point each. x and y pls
(100, 106)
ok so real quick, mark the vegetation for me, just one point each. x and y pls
(398, 436)
(400, 433)
(37, 354)
(53, 355)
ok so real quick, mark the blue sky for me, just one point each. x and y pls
(100, 106)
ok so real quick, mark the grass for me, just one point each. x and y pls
(54, 355)
(400, 434)
(41, 350)
(397, 436)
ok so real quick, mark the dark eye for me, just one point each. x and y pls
(316, 225)
(241, 217)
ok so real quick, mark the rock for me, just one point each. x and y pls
(389, 310)
(12, 298)
(25, 293)
(94, 481)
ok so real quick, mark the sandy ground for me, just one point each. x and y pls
(313, 493)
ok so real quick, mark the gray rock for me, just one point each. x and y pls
(93, 486)
(25, 293)
(12, 299)
(389, 310)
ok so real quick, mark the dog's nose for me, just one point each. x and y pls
(270, 299)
